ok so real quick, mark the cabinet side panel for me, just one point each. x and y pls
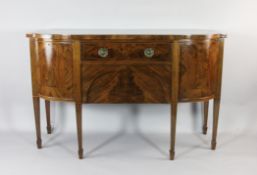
(216, 59)
(34, 61)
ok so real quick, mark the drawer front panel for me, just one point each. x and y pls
(126, 83)
(125, 51)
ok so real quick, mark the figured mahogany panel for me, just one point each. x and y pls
(184, 67)
(56, 69)
(125, 51)
(198, 69)
(126, 73)
(126, 83)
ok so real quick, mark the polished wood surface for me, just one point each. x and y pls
(174, 94)
(127, 35)
(126, 83)
(126, 52)
(117, 68)
(79, 129)
(217, 95)
(205, 120)
(48, 117)
(55, 65)
(36, 103)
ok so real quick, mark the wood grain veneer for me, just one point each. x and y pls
(182, 68)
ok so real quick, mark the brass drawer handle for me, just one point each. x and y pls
(103, 52)
(149, 52)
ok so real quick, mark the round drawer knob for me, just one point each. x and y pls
(103, 52)
(149, 52)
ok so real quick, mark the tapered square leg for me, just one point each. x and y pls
(216, 108)
(48, 117)
(173, 130)
(205, 118)
(36, 104)
(174, 95)
(79, 129)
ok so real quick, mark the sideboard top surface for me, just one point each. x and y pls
(161, 34)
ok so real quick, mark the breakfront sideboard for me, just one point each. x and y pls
(94, 66)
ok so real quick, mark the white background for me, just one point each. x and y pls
(238, 118)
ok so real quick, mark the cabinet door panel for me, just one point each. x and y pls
(56, 69)
(197, 69)
(126, 83)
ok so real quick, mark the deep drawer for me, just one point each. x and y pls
(149, 83)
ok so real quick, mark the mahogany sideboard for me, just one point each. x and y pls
(94, 66)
